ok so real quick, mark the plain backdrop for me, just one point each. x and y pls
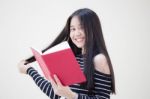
(126, 28)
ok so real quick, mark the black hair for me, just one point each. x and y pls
(94, 44)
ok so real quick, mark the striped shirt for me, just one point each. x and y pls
(101, 90)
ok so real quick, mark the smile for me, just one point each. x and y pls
(79, 39)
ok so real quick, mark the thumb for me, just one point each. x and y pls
(57, 80)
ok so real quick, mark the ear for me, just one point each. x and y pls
(101, 64)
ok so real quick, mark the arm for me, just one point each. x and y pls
(54, 89)
(42, 83)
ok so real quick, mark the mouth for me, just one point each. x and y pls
(79, 39)
(79, 42)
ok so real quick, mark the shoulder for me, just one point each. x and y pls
(101, 64)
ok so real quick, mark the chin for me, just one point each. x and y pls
(79, 46)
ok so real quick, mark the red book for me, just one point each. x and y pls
(61, 61)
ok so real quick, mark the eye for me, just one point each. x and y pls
(72, 29)
(81, 27)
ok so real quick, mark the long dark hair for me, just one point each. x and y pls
(94, 45)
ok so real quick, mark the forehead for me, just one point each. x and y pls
(75, 21)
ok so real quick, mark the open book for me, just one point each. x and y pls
(61, 61)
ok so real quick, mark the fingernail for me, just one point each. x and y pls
(55, 75)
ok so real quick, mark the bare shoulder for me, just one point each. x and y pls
(101, 64)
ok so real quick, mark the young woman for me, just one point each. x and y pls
(84, 34)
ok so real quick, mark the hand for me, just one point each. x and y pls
(61, 90)
(22, 67)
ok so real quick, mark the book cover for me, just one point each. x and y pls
(61, 61)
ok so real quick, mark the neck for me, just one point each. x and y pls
(83, 51)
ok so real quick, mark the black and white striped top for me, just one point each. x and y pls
(102, 83)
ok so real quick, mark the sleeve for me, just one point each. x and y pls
(42, 83)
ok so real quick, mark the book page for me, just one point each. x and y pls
(36, 50)
(41, 62)
(58, 47)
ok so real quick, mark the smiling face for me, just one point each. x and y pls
(77, 34)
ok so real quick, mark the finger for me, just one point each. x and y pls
(52, 82)
(22, 62)
(25, 62)
(57, 80)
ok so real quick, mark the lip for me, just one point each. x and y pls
(79, 39)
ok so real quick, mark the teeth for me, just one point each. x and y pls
(79, 40)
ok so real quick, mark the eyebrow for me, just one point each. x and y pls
(73, 26)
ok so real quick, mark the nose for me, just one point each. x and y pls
(78, 33)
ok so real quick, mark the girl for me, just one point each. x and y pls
(84, 34)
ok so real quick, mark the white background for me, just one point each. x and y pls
(126, 28)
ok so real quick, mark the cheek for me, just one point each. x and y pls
(71, 36)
